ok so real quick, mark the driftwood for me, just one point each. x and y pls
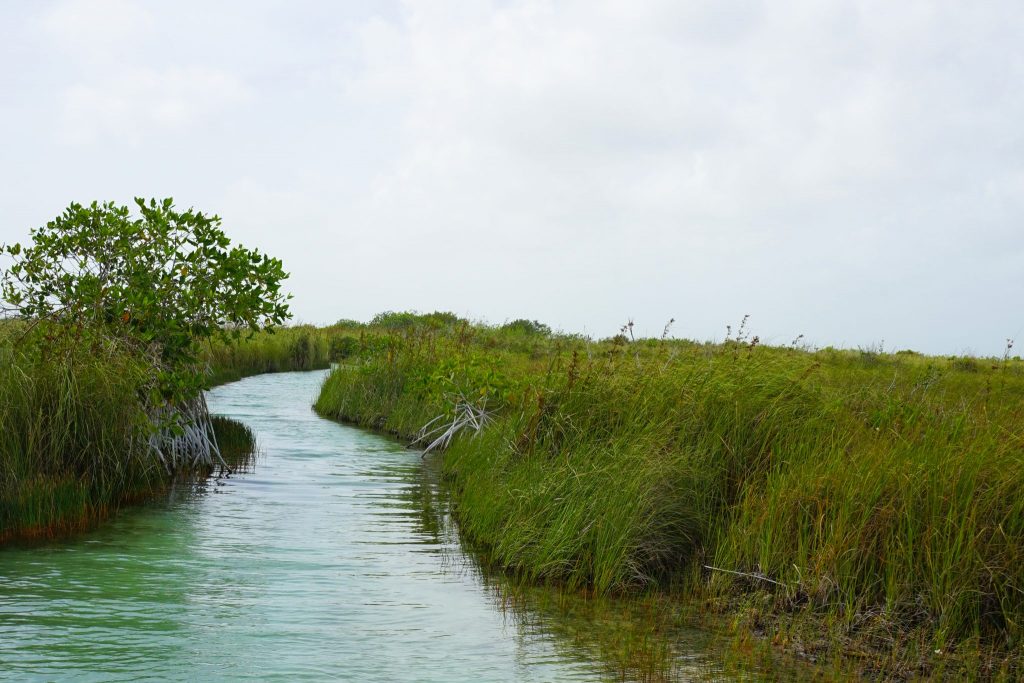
(466, 416)
(758, 576)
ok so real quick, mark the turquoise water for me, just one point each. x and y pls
(331, 560)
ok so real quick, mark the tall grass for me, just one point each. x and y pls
(295, 348)
(878, 497)
(75, 436)
(236, 441)
(302, 347)
(72, 440)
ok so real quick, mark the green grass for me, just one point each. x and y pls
(295, 348)
(236, 441)
(868, 503)
(302, 347)
(73, 436)
(70, 447)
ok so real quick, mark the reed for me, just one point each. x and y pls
(71, 439)
(285, 349)
(843, 501)
(237, 443)
(76, 438)
(290, 348)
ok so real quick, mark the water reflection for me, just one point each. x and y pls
(644, 638)
(334, 559)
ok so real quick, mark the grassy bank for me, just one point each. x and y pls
(842, 502)
(73, 433)
(69, 441)
(291, 348)
(74, 438)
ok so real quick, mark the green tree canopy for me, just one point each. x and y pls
(164, 280)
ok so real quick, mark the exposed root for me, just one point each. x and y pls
(184, 437)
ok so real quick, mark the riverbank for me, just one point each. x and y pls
(302, 347)
(73, 433)
(841, 504)
(335, 559)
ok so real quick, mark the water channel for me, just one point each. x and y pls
(331, 560)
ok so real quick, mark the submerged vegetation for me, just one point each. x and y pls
(843, 502)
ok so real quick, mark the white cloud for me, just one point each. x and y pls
(751, 150)
(850, 170)
(131, 103)
(96, 28)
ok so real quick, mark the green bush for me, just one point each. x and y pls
(343, 347)
(528, 327)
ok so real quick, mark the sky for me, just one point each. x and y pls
(849, 171)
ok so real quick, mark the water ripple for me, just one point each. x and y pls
(315, 567)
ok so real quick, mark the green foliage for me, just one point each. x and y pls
(966, 364)
(287, 348)
(70, 446)
(879, 496)
(236, 441)
(117, 316)
(462, 378)
(69, 438)
(527, 327)
(410, 319)
(163, 281)
(72, 436)
(342, 347)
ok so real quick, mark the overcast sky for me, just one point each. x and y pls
(850, 171)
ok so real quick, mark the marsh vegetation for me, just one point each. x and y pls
(75, 439)
(842, 503)
(106, 314)
(849, 505)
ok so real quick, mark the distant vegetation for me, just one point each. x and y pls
(842, 501)
(292, 348)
